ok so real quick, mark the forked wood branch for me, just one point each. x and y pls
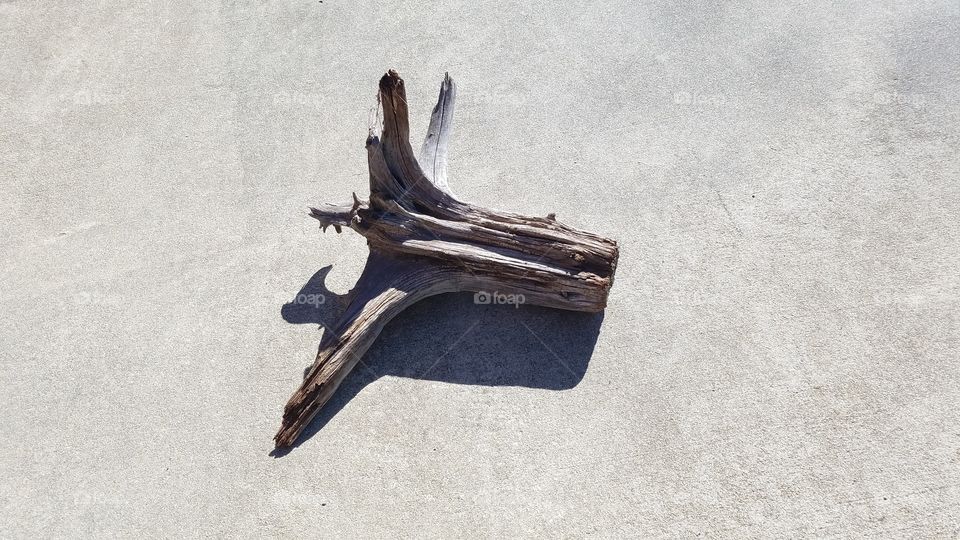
(423, 241)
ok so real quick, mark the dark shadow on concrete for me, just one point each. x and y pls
(449, 338)
(305, 308)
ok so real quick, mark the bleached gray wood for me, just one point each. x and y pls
(423, 241)
(433, 155)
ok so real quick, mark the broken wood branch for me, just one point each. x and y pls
(423, 242)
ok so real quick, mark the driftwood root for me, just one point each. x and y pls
(423, 241)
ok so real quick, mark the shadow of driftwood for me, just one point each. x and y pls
(449, 338)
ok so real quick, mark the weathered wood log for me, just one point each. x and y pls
(423, 241)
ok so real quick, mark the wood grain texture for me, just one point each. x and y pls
(423, 241)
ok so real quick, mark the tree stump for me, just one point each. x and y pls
(423, 241)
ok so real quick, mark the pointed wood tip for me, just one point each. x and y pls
(282, 438)
(390, 81)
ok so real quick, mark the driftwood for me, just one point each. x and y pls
(423, 241)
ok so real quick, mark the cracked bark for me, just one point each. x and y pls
(423, 241)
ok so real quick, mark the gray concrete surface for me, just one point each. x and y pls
(780, 354)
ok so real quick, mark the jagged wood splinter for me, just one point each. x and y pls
(423, 242)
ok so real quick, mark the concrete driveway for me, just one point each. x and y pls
(780, 353)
